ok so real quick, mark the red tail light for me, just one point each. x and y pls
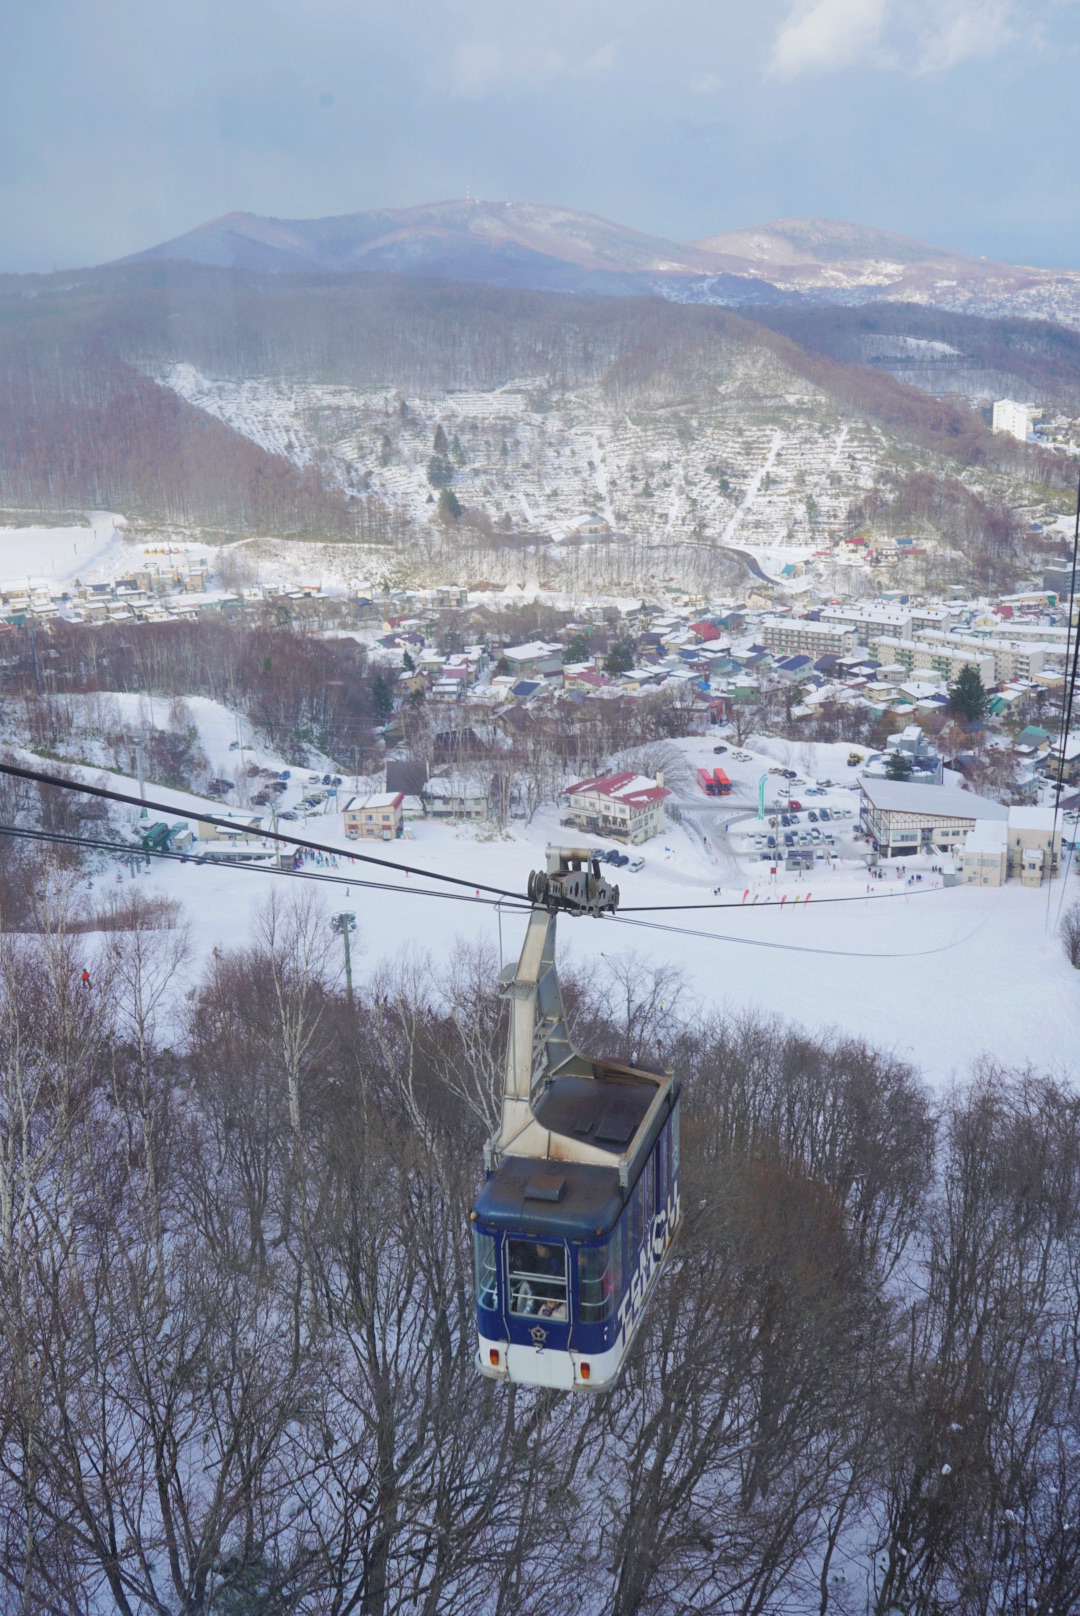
(584, 1371)
(493, 1354)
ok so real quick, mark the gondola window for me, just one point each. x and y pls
(537, 1274)
(487, 1280)
(600, 1280)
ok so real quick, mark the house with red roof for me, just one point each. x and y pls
(626, 807)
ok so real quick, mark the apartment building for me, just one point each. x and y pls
(941, 657)
(1012, 418)
(871, 620)
(1013, 659)
(798, 635)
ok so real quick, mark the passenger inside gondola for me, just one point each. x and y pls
(537, 1280)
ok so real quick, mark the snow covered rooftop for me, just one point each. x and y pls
(908, 797)
(635, 789)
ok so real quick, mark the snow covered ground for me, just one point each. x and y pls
(941, 976)
(60, 554)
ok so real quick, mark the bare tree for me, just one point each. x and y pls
(1069, 932)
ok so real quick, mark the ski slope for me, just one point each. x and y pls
(942, 977)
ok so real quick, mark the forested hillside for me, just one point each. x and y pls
(399, 411)
(249, 1385)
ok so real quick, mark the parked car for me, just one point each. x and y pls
(812, 816)
(216, 787)
(815, 836)
(260, 799)
(287, 813)
(637, 864)
(789, 838)
(795, 804)
(825, 815)
(789, 774)
(718, 751)
(771, 840)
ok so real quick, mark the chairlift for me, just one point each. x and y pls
(575, 1221)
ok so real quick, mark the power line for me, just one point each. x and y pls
(771, 903)
(1067, 704)
(38, 777)
(128, 850)
(798, 948)
(124, 849)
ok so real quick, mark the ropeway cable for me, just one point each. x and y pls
(127, 850)
(38, 777)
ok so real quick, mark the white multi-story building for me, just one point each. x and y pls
(798, 636)
(1012, 659)
(943, 657)
(1012, 418)
(870, 620)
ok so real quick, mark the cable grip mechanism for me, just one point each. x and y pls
(572, 883)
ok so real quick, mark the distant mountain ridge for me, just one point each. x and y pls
(549, 248)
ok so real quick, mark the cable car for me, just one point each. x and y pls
(575, 1221)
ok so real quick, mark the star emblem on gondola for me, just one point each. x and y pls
(539, 1335)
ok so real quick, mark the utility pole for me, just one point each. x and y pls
(137, 744)
(346, 923)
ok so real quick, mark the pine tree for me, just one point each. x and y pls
(440, 473)
(620, 659)
(440, 444)
(449, 505)
(967, 697)
(898, 767)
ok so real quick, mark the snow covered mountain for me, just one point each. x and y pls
(494, 243)
(560, 249)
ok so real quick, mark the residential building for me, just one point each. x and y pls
(534, 659)
(1061, 580)
(1012, 418)
(940, 656)
(453, 796)
(377, 818)
(984, 861)
(1063, 759)
(902, 817)
(918, 750)
(1034, 844)
(798, 635)
(626, 807)
(1012, 659)
(871, 621)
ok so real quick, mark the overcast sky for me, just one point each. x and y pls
(123, 122)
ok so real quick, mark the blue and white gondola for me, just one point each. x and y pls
(581, 1202)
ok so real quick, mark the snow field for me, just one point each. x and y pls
(943, 977)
